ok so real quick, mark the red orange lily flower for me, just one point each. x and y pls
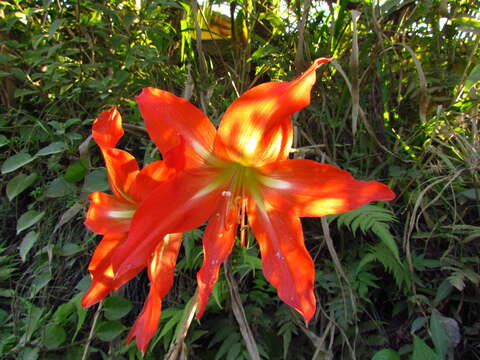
(238, 170)
(111, 216)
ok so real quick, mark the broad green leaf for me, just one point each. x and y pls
(53, 148)
(16, 162)
(422, 351)
(27, 243)
(24, 92)
(53, 28)
(63, 312)
(4, 315)
(19, 184)
(116, 307)
(472, 78)
(28, 219)
(54, 336)
(33, 321)
(70, 249)
(40, 281)
(29, 353)
(3, 140)
(439, 335)
(109, 330)
(386, 354)
(81, 313)
(417, 324)
(443, 291)
(4, 57)
(58, 188)
(96, 181)
(76, 171)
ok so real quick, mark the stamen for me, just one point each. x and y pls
(243, 223)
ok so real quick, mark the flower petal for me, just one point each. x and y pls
(178, 205)
(170, 119)
(256, 128)
(218, 241)
(107, 128)
(122, 169)
(148, 179)
(101, 270)
(308, 188)
(161, 272)
(286, 263)
(108, 214)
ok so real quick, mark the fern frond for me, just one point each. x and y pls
(381, 253)
(370, 218)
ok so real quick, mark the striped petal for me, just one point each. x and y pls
(256, 129)
(218, 241)
(174, 123)
(161, 271)
(308, 188)
(108, 214)
(101, 270)
(286, 263)
(178, 205)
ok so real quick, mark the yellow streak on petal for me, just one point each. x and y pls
(325, 206)
(109, 272)
(252, 144)
(274, 183)
(121, 214)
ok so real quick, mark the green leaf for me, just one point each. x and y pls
(439, 335)
(472, 78)
(443, 291)
(76, 171)
(27, 243)
(53, 148)
(96, 181)
(58, 188)
(63, 312)
(109, 330)
(16, 161)
(53, 28)
(29, 354)
(3, 140)
(386, 354)
(81, 314)
(28, 219)
(116, 307)
(417, 324)
(55, 336)
(422, 351)
(40, 281)
(4, 58)
(19, 184)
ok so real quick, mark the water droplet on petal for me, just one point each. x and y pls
(226, 193)
(220, 235)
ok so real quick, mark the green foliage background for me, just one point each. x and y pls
(399, 104)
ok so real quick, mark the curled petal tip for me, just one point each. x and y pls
(322, 60)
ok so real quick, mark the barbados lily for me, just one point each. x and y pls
(240, 176)
(111, 215)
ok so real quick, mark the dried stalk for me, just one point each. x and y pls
(176, 351)
(239, 313)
